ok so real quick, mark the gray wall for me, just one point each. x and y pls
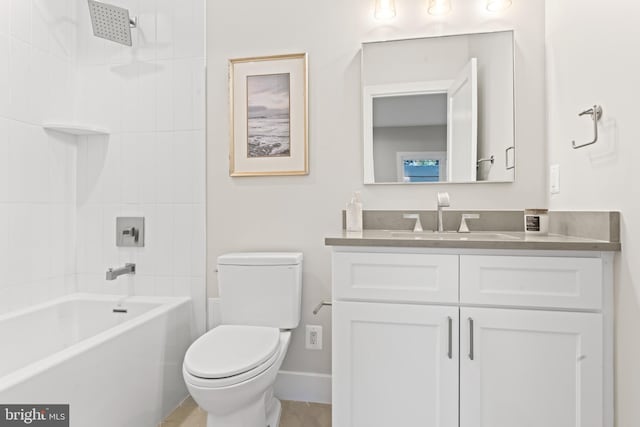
(285, 213)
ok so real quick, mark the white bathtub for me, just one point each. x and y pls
(113, 369)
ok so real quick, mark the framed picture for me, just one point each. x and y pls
(268, 102)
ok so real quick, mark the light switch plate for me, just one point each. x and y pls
(554, 179)
(130, 232)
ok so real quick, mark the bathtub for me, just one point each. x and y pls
(117, 363)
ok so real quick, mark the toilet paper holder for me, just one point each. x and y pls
(320, 305)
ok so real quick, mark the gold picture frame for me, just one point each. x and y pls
(268, 104)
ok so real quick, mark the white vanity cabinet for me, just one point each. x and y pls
(510, 338)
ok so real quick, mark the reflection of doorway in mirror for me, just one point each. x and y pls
(422, 166)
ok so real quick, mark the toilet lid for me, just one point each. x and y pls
(230, 350)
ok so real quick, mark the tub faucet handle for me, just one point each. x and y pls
(131, 232)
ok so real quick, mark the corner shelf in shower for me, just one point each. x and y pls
(76, 129)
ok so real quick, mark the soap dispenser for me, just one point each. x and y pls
(354, 213)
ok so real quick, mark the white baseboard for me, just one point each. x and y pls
(303, 387)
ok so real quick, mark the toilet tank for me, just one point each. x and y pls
(260, 289)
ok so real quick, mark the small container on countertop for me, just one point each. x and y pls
(536, 221)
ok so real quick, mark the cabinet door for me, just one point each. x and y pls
(394, 365)
(530, 368)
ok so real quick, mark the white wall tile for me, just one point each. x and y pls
(163, 286)
(62, 75)
(198, 299)
(183, 95)
(5, 88)
(40, 85)
(62, 150)
(4, 248)
(90, 239)
(110, 253)
(137, 161)
(111, 176)
(20, 238)
(159, 230)
(99, 97)
(70, 244)
(182, 239)
(41, 21)
(21, 20)
(146, 173)
(40, 241)
(144, 286)
(164, 148)
(145, 49)
(28, 163)
(164, 28)
(62, 30)
(5, 17)
(189, 167)
(19, 83)
(164, 96)
(4, 161)
(199, 241)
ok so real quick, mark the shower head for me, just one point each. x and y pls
(111, 22)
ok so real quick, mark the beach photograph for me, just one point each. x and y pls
(268, 115)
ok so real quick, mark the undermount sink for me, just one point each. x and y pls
(434, 235)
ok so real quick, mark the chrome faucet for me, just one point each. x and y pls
(112, 274)
(443, 202)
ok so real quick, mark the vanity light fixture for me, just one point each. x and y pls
(439, 7)
(385, 10)
(497, 5)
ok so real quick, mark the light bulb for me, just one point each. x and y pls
(497, 5)
(385, 9)
(439, 7)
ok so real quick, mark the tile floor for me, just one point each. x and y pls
(294, 414)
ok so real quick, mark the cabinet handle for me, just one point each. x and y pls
(470, 338)
(450, 347)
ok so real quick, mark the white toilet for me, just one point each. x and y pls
(230, 370)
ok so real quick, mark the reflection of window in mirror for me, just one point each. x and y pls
(421, 167)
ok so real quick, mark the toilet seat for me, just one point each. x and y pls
(230, 354)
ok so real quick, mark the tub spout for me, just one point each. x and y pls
(112, 274)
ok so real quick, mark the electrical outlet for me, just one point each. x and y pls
(313, 337)
(554, 179)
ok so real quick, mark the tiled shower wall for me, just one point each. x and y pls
(151, 98)
(37, 168)
(60, 195)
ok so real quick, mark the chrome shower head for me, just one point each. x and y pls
(111, 22)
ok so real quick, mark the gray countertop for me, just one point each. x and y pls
(511, 240)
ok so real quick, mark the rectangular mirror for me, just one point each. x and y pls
(439, 109)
